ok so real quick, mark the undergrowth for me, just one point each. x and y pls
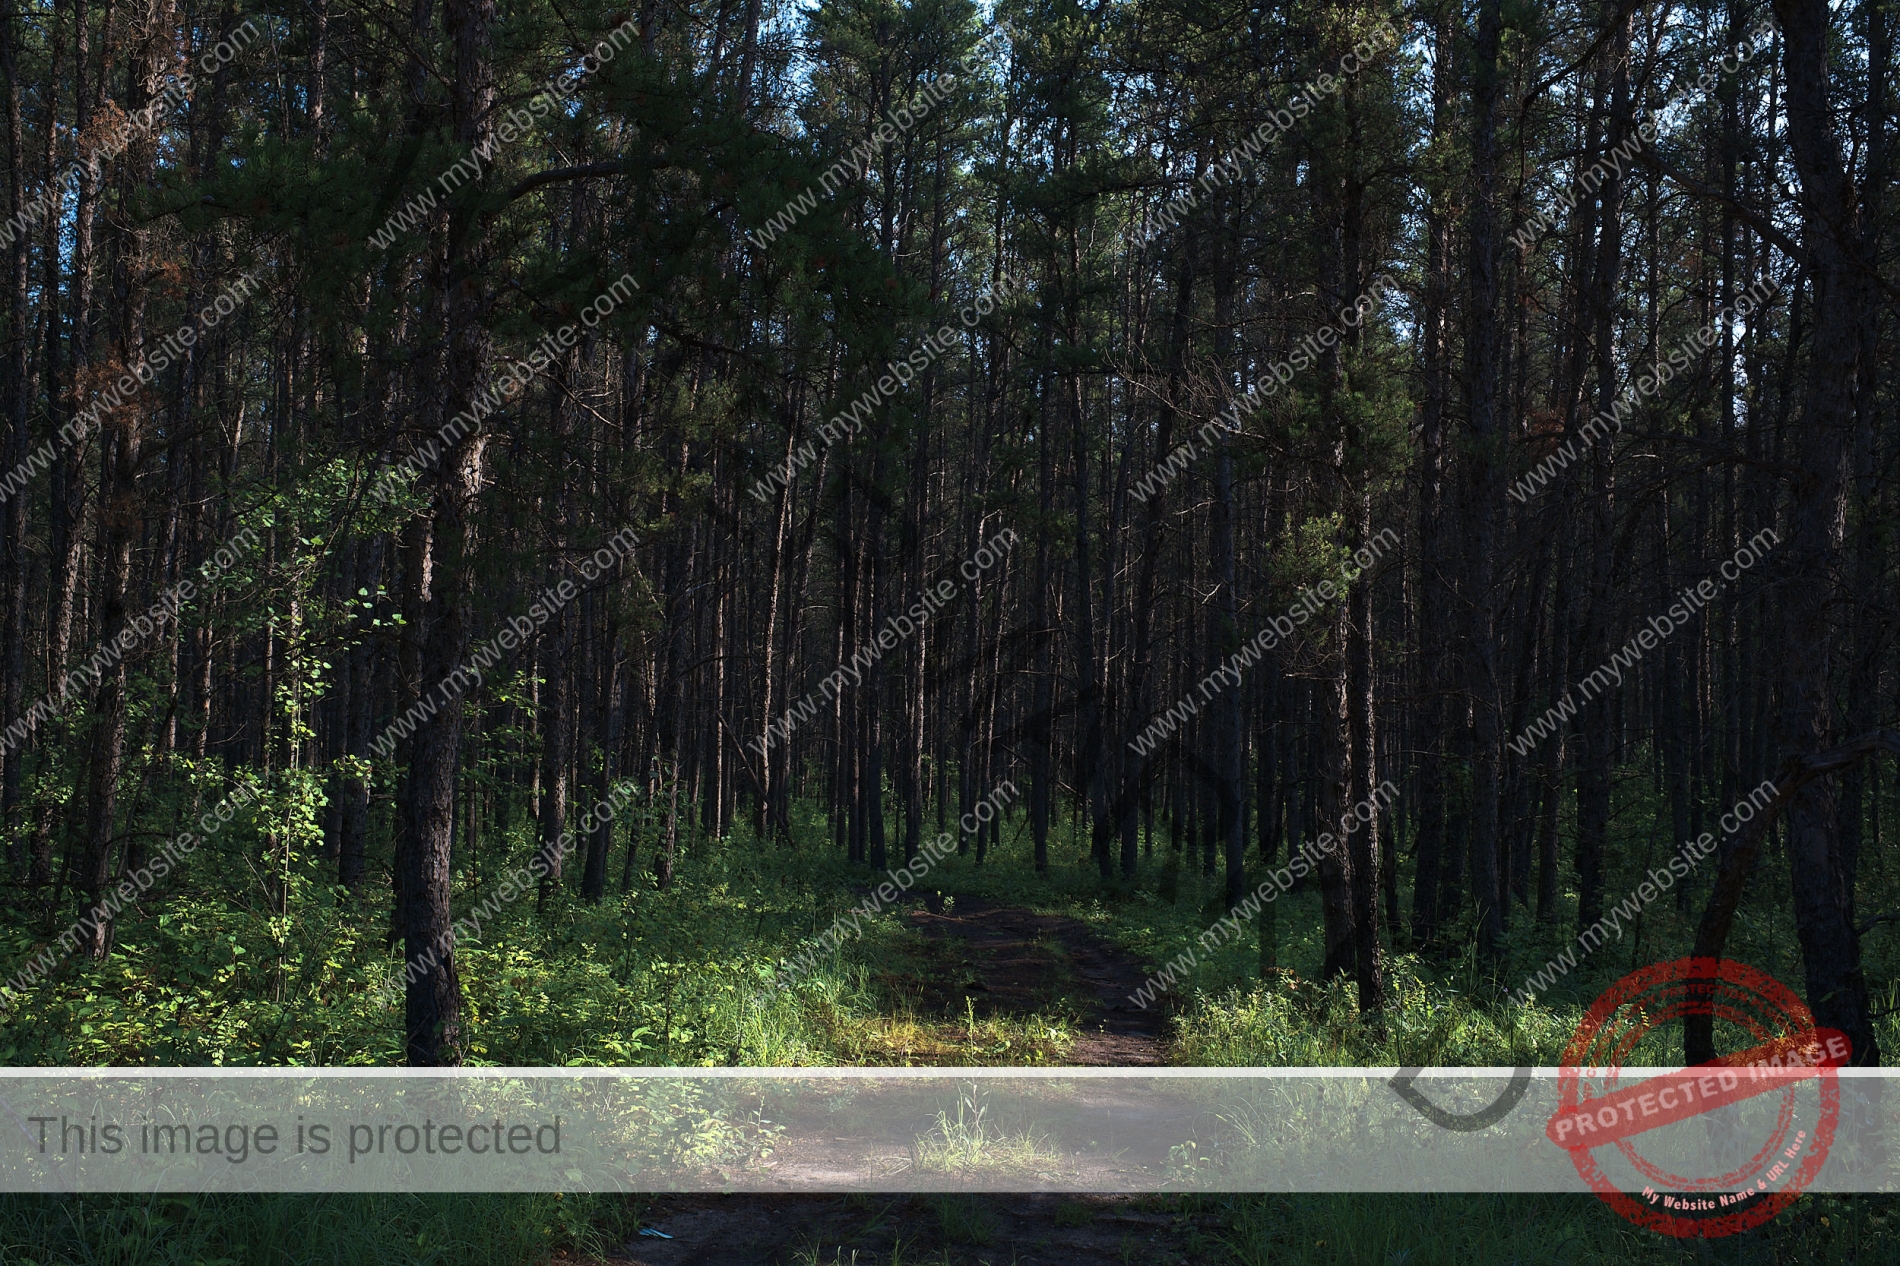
(215, 968)
(324, 1229)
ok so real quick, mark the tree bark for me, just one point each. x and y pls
(1838, 240)
(433, 1005)
(1483, 356)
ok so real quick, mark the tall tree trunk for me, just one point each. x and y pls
(433, 1007)
(1484, 361)
(1224, 718)
(17, 401)
(1436, 564)
(119, 513)
(1838, 237)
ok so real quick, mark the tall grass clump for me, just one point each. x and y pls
(1290, 1022)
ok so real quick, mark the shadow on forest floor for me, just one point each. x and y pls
(976, 982)
(985, 983)
(956, 1230)
(1023, 962)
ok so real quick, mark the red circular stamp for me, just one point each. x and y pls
(1736, 1177)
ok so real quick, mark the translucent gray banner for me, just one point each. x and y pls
(992, 1129)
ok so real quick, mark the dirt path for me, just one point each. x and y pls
(1038, 1230)
(993, 960)
(1024, 961)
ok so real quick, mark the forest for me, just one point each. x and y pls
(909, 532)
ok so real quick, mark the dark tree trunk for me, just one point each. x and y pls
(1483, 357)
(1838, 238)
(433, 1007)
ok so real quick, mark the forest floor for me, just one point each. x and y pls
(1023, 962)
(1001, 967)
(955, 1230)
(980, 962)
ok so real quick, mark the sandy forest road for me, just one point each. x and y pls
(948, 1230)
(1022, 959)
(1020, 962)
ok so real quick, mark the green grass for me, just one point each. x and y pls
(1292, 1022)
(309, 1230)
(1533, 1230)
(205, 974)
(964, 1219)
(966, 1142)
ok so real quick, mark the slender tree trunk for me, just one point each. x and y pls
(353, 846)
(1484, 353)
(18, 395)
(433, 1009)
